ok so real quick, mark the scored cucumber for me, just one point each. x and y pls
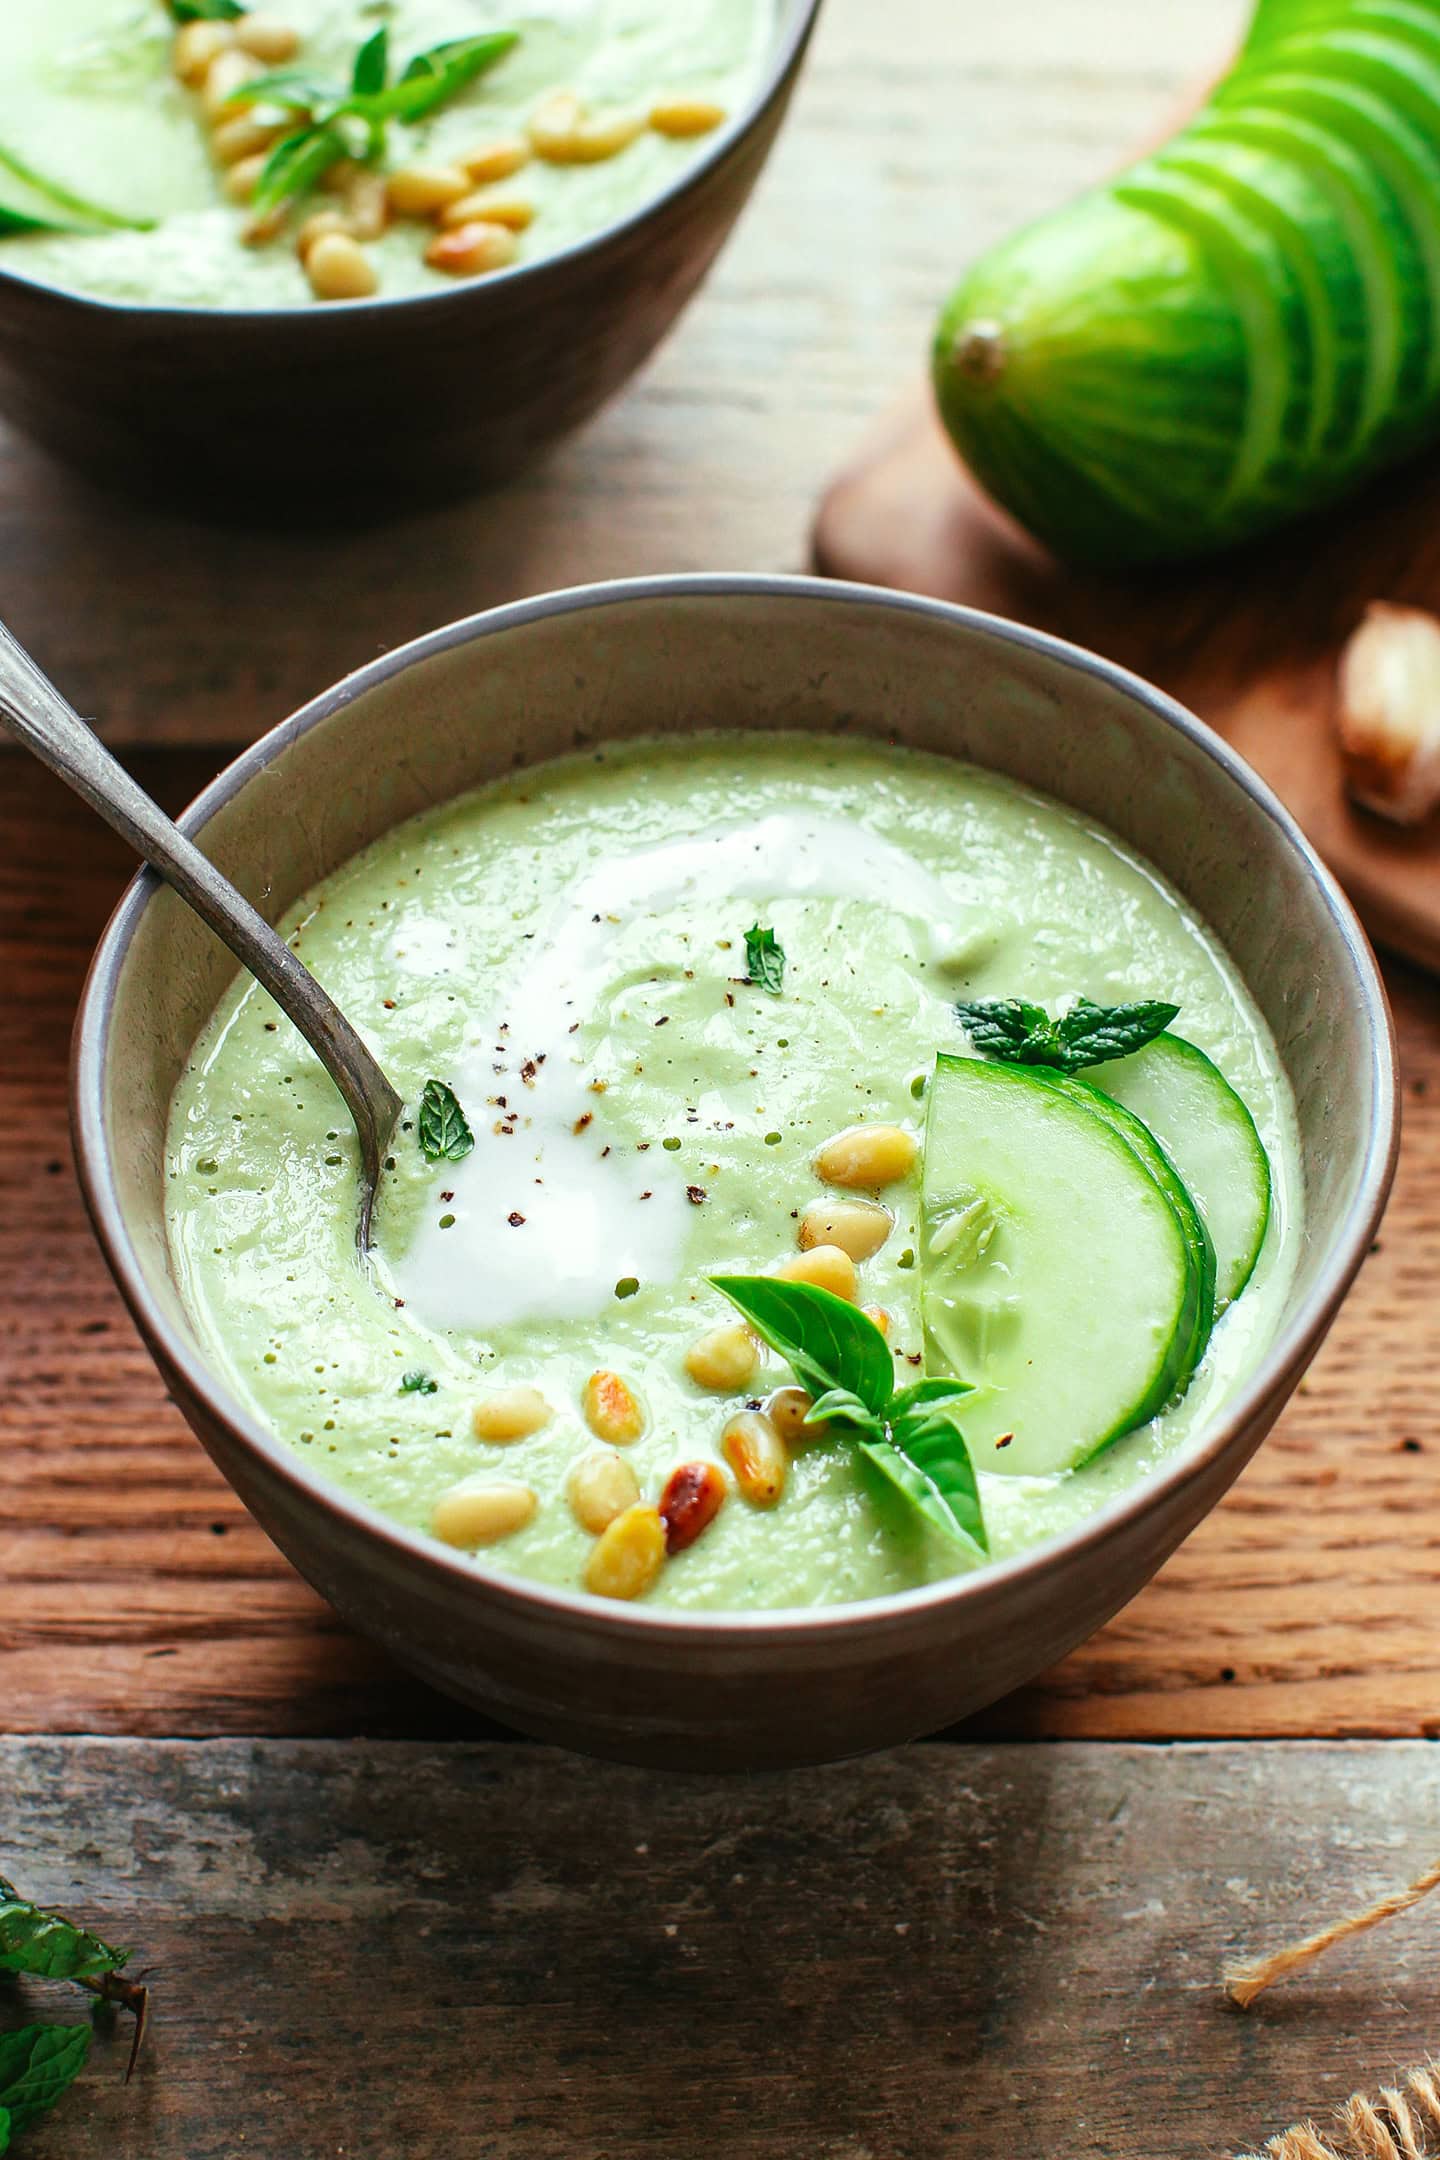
(1057, 1276)
(1210, 1137)
(1237, 329)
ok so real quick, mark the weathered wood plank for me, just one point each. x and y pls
(923, 129)
(135, 1595)
(379, 1951)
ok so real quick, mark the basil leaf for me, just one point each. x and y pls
(838, 1402)
(4, 2130)
(290, 87)
(207, 10)
(37, 2063)
(372, 64)
(827, 1342)
(418, 1383)
(443, 1132)
(296, 164)
(442, 72)
(764, 959)
(35, 1941)
(78, 211)
(938, 1478)
(1019, 1033)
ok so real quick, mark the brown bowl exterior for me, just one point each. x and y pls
(374, 406)
(666, 656)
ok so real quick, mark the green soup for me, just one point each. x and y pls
(567, 951)
(88, 98)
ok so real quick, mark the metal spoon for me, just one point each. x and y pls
(32, 710)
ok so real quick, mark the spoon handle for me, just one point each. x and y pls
(33, 710)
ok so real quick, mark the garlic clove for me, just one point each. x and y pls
(1389, 713)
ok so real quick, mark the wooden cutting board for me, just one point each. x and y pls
(1249, 642)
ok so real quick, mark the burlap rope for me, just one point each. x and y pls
(1244, 1982)
(1405, 2125)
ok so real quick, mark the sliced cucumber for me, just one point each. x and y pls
(1210, 1137)
(1058, 1278)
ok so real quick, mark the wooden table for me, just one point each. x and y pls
(1009, 1991)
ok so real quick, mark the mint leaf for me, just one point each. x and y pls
(443, 1131)
(37, 2063)
(764, 960)
(417, 1383)
(1020, 1033)
(842, 1359)
(442, 71)
(35, 1941)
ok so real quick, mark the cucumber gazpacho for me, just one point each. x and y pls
(201, 153)
(826, 1166)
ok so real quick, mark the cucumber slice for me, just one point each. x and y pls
(1209, 1135)
(1057, 1276)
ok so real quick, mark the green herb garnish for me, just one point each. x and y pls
(841, 1359)
(35, 1941)
(350, 122)
(764, 960)
(207, 10)
(38, 2062)
(1019, 1033)
(417, 1383)
(442, 1128)
(75, 212)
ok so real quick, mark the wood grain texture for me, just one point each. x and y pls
(136, 1597)
(922, 130)
(465, 1953)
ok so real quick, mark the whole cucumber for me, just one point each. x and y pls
(1240, 327)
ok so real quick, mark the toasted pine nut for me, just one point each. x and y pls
(244, 176)
(858, 1227)
(826, 1266)
(563, 133)
(497, 160)
(228, 72)
(196, 45)
(316, 226)
(478, 1512)
(867, 1157)
(685, 116)
(247, 135)
(262, 226)
(723, 1358)
(267, 39)
(472, 249)
(507, 1413)
(339, 178)
(493, 206)
(879, 1318)
(420, 191)
(788, 1411)
(756, 1454)
(693, 1496)
(628, 1555)
(339, 269)
(611, 1411)
(600, 1487)
(367, 205)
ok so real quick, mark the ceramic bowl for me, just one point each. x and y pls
(378, 404)
(663, 656)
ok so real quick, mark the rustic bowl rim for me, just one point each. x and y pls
(1278, 1370)
(794, 22)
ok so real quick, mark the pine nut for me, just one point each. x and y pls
(244, 177)
(507, 1413)
(480, 1513)
(265, 38)
(600, 1487)
(492, 206)
(827, 1267)
(563, 132)
(471, 250)
(265, 225)
(611, 1411)
(367, 205)
(628, 1555)
(693, 1496)
(756, 1454)
(421, 191)
(316, 226)
(878, 1317)
(858, 1227)
(867, 1157)
(788, 1411)
(497, 160)
(227, 73)
(247, 135)
(722, 1359)
(682, 117)
(339, 269)
(196, 45)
